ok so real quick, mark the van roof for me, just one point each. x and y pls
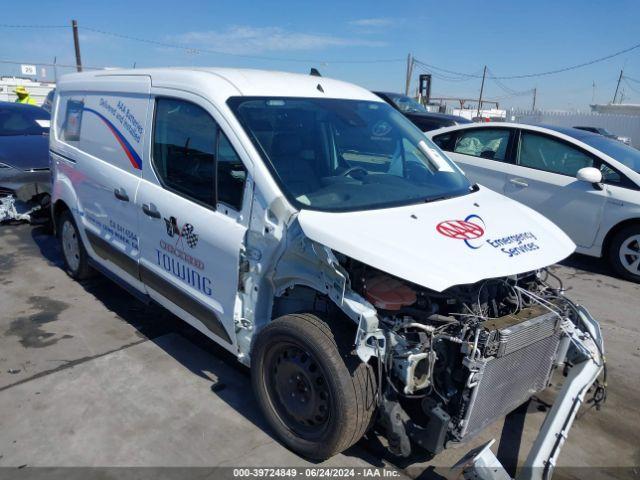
(222, 83)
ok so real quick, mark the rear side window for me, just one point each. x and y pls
(191, 154)
(487, 143)
(545, 153)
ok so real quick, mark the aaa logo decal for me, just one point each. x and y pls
(470, 229)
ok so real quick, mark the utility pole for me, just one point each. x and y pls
(593, 92)
(484, 74)
(76, 44)
(535, 91)
(409, 73)
(617, 87)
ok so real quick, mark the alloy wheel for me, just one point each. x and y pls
(629, 254)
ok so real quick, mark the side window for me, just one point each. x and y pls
(231, 174)
(444, 141)
(184, 145)
(73, 121)
(609, 175)
(487, 143)
(545, 153)
(191, 154)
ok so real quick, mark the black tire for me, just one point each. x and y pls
(347, 389)
(78, 268)
(619, 241)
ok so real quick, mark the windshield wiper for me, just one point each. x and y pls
(472, 188)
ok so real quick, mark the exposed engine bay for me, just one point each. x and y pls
(456, 361)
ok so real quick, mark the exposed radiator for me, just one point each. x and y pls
(521, 368)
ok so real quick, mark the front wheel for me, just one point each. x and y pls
(315, 393)
(624, 253)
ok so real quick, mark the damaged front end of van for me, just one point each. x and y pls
(451, 300)
(457, 314)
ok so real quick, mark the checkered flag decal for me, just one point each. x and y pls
(172, 226)
(188, 235)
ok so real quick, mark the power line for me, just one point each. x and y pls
(452, 72)
(45, 64)
(629, 85)
(510, 91)
(544, 73)
(4, 25)
(241, 55)
(189, 49)
(440, 76)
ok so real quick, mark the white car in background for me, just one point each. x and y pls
(588, 184)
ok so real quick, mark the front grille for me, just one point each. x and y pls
(507, 381)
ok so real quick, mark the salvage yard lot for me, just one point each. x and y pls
(89, 376)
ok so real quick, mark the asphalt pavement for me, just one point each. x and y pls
(91, 377)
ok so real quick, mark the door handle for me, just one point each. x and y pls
(519, 182)
(151, 210)
(121, 194)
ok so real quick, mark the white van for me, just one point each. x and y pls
(312, 230)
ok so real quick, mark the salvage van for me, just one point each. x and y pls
(310, 229)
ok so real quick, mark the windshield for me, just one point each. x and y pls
(617, 150)
(23, 121)
(408, 105)
(344, 155)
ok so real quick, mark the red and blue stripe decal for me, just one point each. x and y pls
(129, 151)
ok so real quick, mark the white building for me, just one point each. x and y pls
(487, 114)
(617, 108)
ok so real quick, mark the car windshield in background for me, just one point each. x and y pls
(625, 154)
(408, 105)
(345, 155)
(23, 121)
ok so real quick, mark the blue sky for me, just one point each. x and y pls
(511, 37)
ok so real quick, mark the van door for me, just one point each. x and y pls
(102, 138)
(193, 216)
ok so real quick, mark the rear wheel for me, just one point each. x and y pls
(73, 251)
(316, 394)
(624, 253)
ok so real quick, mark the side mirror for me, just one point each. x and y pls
(590, 175)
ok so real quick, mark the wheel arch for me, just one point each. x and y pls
(613, 231)
(57, 208)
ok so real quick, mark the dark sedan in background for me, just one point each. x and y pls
(24, 150)
(420, 116)
(605, 133)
